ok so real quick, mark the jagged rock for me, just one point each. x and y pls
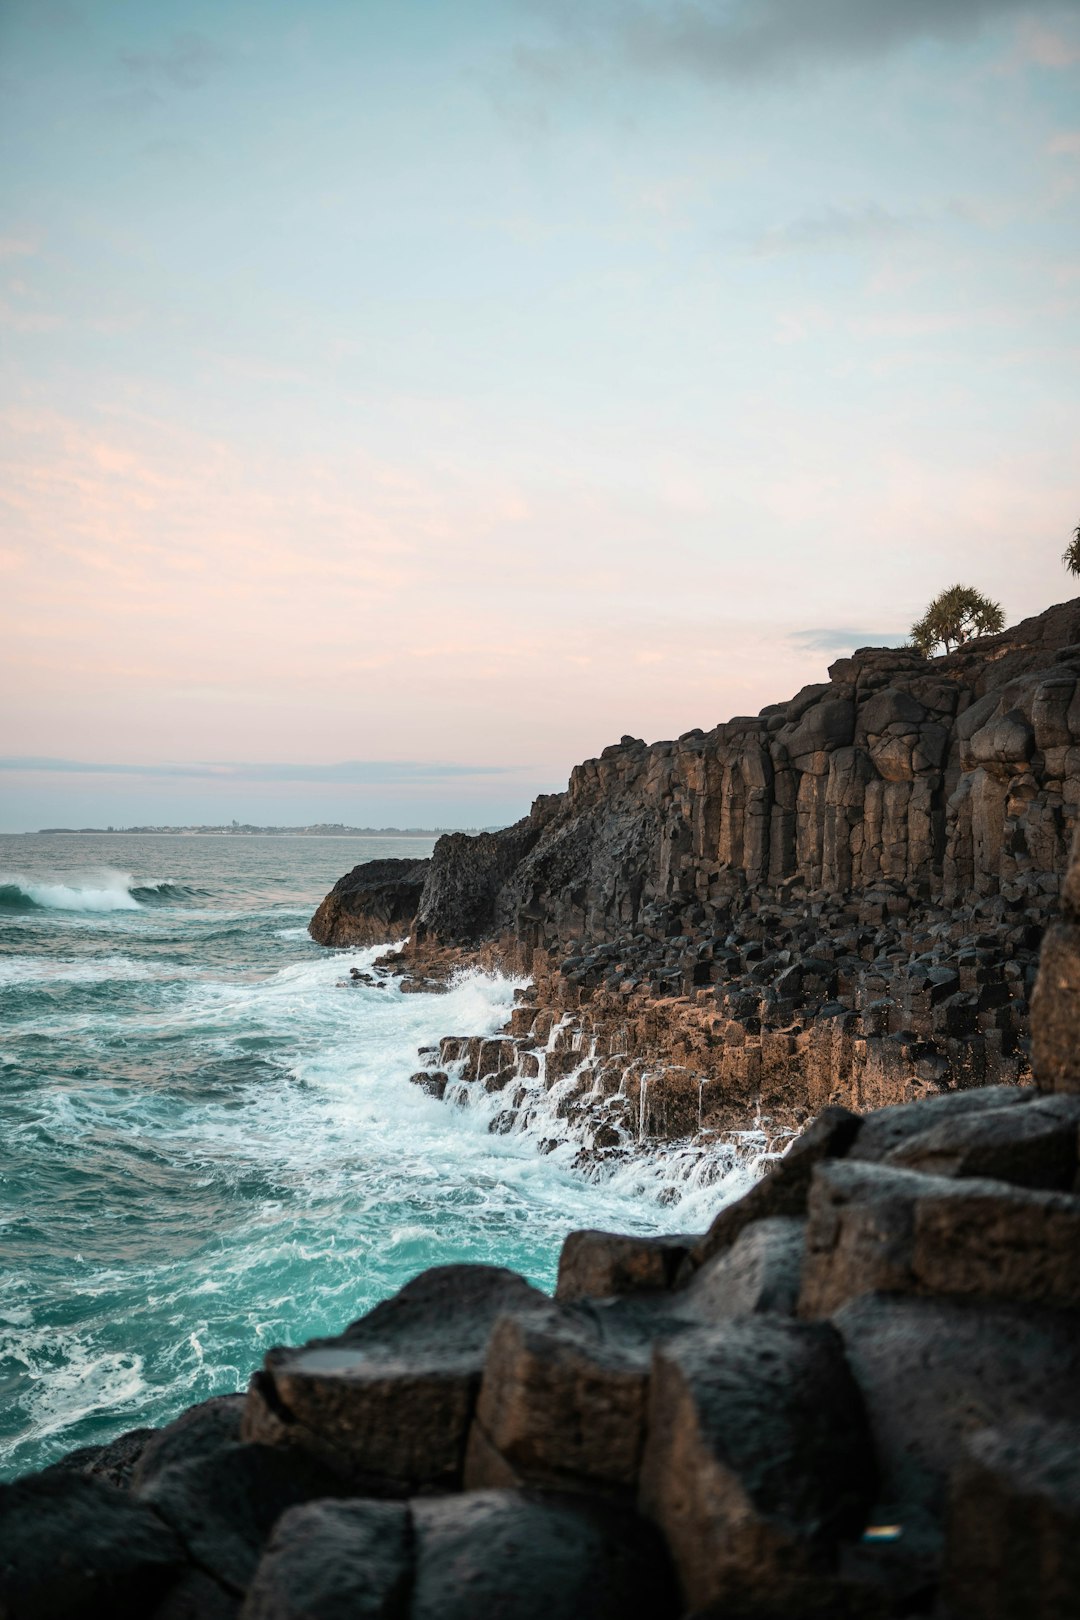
(760, 1272)
(114, 1463)
(757, 1462)
(784, 1190)
(196, 1433)
(371, 905)
(601, 1264)
(1013, 1548)
(73, 1548)
(388, 1403)
(871, 1227)
(197, 1596)
(335, 1561)
(933, 1371)
(563, 1397)
(432, 1081)
(522, 1556)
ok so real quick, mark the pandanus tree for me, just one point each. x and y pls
(1071, 555)
(958, 615)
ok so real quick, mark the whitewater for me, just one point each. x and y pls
(209, 1145)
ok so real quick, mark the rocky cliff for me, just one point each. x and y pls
(838, 900)
(855, 1397)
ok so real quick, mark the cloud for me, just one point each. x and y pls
(833, 227)
(824, 640)
(346, 773)
(17, 247)
(752, 39)
(1067, 144)
(185, 64)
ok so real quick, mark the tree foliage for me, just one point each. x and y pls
(957, 615)
(1071, 555)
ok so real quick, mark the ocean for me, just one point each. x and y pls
(209, 1145)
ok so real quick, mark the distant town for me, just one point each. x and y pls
(245, 829)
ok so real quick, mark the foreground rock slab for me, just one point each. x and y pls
(388, 1404)
(758, 1461)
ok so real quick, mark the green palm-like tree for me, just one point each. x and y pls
(959, 614)
(1071, 555)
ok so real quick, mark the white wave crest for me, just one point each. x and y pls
(105, 890)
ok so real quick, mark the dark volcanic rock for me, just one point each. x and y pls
(388, 1404)
(373, 904)
(73, 1548)
(933, 1371)
(335, 1561)
(223, 1505)
(506, 1555)
(758, 1460)
(874, 1228)
(115, 1463)
(563, 1397)
(194, 1434)
(599, 1264)
(1013, 1549)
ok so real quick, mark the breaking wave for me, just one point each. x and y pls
(99, 891)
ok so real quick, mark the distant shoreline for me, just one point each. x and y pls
(250, 832)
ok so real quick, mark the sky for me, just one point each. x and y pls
(403, 399)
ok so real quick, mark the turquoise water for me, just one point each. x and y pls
(207, 1146)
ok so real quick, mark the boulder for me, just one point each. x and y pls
(1034, 1146)
(74, 1548)
(508, 1555)
(196, 1433)
(373, 904)
(874, 1228)
(598, 1264)
(388, 1404)
(114, 1463)
(224, 1504)
(1013, 1546)
(335, 1561)
(563, 1397)
(883, 1131)
(760, 1272)
(934, 1371)
(783, 1191)
(757, 1461)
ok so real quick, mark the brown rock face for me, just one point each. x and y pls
(373, 904)
(958, 775)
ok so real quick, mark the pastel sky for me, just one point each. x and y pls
(402, 399)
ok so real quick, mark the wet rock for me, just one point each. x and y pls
(599, 1264)
(783, 1191)
(758, 1460)
(388, 1403)
(1013, 1550)
(373, 903)
(76, 1547)
(432, 1081)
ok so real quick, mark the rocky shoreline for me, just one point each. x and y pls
(857, 1394)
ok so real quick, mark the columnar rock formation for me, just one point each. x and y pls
(840, 900)
(855, 1397)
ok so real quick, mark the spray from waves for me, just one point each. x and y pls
(105, 890)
